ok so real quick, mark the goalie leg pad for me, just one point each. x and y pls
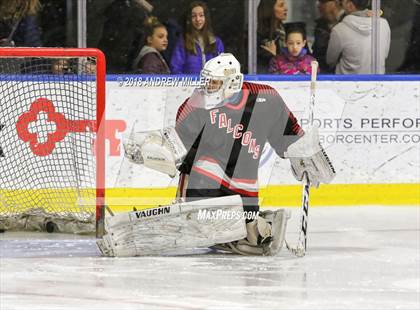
(182, 225)
(104, 246)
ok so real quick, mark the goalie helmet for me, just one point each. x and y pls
(221, 77)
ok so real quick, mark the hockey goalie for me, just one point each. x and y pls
(216, 146)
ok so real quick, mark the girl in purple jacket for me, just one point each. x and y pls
(198, 44)
(295, 58)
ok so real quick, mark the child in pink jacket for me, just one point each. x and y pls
(295, 58)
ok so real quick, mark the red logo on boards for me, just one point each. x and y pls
(62, 127)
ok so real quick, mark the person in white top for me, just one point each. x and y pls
(350, 44)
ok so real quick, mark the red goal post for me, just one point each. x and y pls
(52, 133)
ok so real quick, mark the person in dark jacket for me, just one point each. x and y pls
(121, 34)
(198, 44)
(150, 59)
(331, 13)
(271, 33)
(412, 57)
(18, 23)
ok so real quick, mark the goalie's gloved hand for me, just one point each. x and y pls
(161, 150)
(307, 156)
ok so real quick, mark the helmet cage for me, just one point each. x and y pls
(231, 82)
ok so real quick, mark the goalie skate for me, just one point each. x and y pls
(268, 245)
(278, 220)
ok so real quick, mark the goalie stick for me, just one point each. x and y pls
(300, 249)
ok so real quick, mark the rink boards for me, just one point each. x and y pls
(370, 127)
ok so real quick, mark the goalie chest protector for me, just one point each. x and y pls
(225, 143)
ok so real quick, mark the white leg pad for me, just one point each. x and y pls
(154, 231)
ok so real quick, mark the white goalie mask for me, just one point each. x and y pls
(221, 77)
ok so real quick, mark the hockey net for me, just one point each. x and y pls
(52, 104)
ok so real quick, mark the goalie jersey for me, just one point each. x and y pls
(225, 143)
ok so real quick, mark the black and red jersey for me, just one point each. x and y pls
(225, 143)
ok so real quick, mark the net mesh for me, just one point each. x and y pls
(47, 163)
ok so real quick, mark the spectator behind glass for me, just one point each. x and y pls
(331, 13)
(198, 44)
(71, 66)
(412, 57)
(61, 66)
(122, 33)
(174, 33)
(271, 34)
(349, 48)
(295, 58)
(18, 23)
(150, 59)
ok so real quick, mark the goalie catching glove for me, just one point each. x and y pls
(161, 150)
(307, 155)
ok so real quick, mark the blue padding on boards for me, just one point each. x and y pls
(196, 78)
(274, 78)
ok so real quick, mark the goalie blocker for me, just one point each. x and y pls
(307, 155)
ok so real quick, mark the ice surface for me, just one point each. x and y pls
(358, 258)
